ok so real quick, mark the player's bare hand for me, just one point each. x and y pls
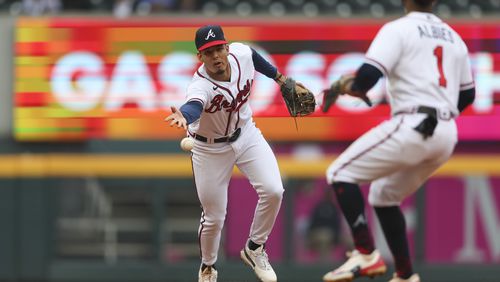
(176, 118)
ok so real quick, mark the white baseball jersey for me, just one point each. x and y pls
(225, 104)
(425, 61)
(426, 64)
(225, 109)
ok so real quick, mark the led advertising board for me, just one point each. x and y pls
(80, 79)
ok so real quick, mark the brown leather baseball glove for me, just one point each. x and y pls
(299, 100)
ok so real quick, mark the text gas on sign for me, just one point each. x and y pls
(79, 81)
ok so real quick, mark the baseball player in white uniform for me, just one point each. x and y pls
(218, 117)
(429, 82)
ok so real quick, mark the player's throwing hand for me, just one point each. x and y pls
(177, 118)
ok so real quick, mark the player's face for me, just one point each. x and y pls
(215, 59)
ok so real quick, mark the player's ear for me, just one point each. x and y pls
(199, 56)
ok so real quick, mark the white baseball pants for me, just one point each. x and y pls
(395, 158)
(213, 166)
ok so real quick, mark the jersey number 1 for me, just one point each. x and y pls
(438, 52)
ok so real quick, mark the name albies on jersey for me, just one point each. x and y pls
(425, 61)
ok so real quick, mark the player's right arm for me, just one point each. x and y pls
(467, 88)
(190, 111)
(365, 78)
(187, 114)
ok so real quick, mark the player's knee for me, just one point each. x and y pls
(330, 175)
(274, 193)
(277, 194)
(335, 174)
(210, 223)
(219, 224)
(214, 216)
(384, 198)
(333, 178)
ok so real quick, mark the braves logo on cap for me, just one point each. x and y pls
(208, 36)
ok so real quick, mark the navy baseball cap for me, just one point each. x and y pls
(208, 36)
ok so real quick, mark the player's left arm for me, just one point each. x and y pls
(466, 98)
(263, 66)
(467, 88)
(299, 100)
(266, 68)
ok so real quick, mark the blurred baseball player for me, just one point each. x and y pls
(429, 83)
(218, 117)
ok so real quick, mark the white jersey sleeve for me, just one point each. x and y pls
(385, 49)
(196, 91)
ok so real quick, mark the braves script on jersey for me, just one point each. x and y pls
(226, 110)
(426, 64)
(225, 104)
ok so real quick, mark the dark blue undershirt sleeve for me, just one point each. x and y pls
(465, 98)
(366, 77)
(263, 66)
(191, 111)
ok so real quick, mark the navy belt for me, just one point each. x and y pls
(427, 126)
(231, 138)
